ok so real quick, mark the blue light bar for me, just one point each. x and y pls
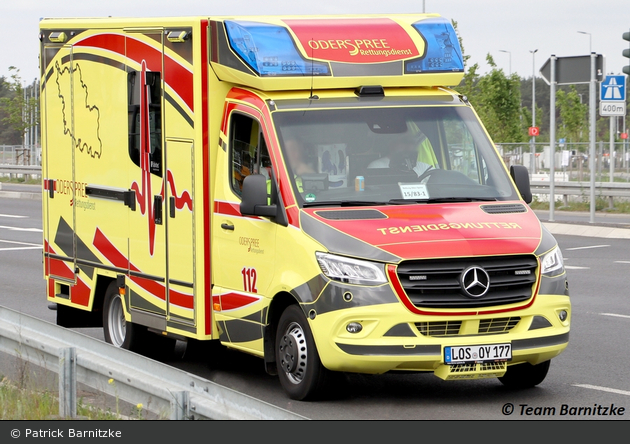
(269, 50)
(443, 53)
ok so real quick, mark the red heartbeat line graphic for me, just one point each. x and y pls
(143, 194)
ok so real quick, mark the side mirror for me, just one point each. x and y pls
(520, 175)
(254, 198)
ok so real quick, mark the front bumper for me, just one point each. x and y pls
(392, 338)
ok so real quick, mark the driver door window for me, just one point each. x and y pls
(248, 151)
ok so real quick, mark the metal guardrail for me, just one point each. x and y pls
(608, 190)
(21, 169)
(165, 391)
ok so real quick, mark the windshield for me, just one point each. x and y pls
(390, 155)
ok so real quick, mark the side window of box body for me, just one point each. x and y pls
(154, 104)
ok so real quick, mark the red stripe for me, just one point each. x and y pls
(206, 179)
(227, 208)
(60, 269)
(177, 76)
(51, 288)
(155, 288)
(181, 299)
(80, 293)
(107, 249)
(232, 301)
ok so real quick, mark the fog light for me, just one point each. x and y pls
(354, 327)
(563, 315)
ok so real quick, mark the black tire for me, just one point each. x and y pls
(300, 370)
(525, 375)
(130, 336)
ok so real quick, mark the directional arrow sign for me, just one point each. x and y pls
(572, 70)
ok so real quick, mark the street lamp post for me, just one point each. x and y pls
(533, 139)
(503, 50)
(590, 40)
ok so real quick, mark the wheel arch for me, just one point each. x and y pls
(279, 303)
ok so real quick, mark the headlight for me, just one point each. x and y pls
(552, 263)
(352, 271)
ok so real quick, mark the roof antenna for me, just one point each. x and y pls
(312, 97)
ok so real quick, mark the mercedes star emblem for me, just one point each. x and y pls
(475, 282)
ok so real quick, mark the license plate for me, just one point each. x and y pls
(477, 353)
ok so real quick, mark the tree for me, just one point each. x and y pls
(8, 135)
(573, 116)
(497, 100)
(16, 109)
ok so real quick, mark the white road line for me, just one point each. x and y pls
(586, 248)
(622, 262)
(20, 248)
(574, 267)
(615, 315)
(14, 216)
(37, 230)
(603, 389)
(30, 244)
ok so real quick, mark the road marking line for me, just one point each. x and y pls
(20, 248)
(622, 262)
(586, 248)
(615, 315)
(574, 267)
(14, 215)
(603, 389)
(20, 243)
(38, 230)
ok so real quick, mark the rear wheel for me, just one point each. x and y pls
(525, 375)
(130, 336)
(115, 328)
(300, 370)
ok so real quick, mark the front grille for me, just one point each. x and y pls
(441, 328)
(437, 283)
(498, 325)
(452, 328)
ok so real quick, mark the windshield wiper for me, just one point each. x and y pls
(442, 200)
(343, 203)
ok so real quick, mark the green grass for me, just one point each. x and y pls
(601, 204)
(21, 180)
(23, 403)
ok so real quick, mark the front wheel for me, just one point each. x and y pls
(300, 370)
(525, 375)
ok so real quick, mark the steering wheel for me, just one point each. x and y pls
(427, 173)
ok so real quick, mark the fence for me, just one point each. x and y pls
(565, 190)
(163, 390)
(571, 159)
(19, 155)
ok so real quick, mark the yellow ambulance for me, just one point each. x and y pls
(309, 190)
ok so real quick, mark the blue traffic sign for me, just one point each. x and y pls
(613, 88)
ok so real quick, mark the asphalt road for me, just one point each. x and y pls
(591, 372)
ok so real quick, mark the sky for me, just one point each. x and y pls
(509, 30)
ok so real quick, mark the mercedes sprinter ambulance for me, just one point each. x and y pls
(309, 190)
